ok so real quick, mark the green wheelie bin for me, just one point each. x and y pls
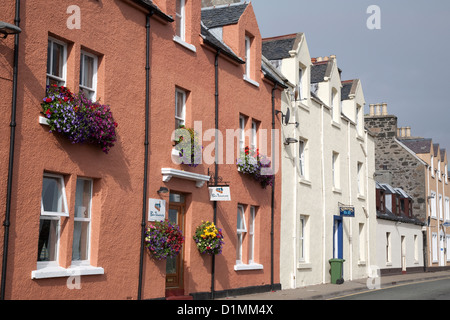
(337, 267)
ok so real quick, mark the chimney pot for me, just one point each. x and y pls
(372, 109)
(385, 112)
(408, 132)
(378, 109)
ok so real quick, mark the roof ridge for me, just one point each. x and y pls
(221, 6)
(283, 37)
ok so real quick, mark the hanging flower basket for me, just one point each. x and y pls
(164, 240)
(257, 166)
(188, 146)
(208, 238)
(78, 118)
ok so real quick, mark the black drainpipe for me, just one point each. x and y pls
(216, 165)
(146, 145)
(273, 192)
(6, 223)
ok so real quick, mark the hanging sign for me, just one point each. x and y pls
(156, 210)
(347, 212)
(219, 194)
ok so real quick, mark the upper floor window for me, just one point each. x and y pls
(180, 108)
(335, 105)
(56, 62)
(300, 84)
(248, 61)
(439, 170)
(242, 122)
(241, 232)
(335, 170)
(446, 173)
(359, 122)
(303, 158)
(88, 75)
(432, 166)
(180, 20)
(360, 177)
(254, 143)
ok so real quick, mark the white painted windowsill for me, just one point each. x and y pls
(188, 46)
(59, 272)
(252, 266)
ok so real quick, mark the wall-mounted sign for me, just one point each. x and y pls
(156, 210)
(219, 194)
(347, 212)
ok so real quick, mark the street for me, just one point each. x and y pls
(426, 290)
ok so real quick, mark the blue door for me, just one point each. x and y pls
(337, 238)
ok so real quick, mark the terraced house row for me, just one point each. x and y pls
(170, 152)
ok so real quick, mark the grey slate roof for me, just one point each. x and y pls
(319, 71)
(209, 38)
(278, 49)
(214, 17)
(418, 145)
(272, 73)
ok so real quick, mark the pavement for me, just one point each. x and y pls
(330, 291)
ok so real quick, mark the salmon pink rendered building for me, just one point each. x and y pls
(91, 164)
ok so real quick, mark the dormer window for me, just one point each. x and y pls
(335, 104)
(248, 61)
(300, 83)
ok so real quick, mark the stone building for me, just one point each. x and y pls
(420, 168)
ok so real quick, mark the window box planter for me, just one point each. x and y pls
(78, 118)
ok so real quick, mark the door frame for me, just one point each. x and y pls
(178, 288)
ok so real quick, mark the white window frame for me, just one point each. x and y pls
(302, 255)
(433, 201)
(447, 238)
(362, 243)
(254, 135)
(440, 208)
(56, 216)
(335, 170)
(65, 212)
(432, 166)
(242, 121)
(88, 220)
(181, 119)
(358, 120)
(388, 248)
(181, 23)
(300, 83)
(434, 247)
(61, 80)
(248, 59)
(360, 178)
(439, 170)
(92, 90)
(251, 236)
(303, 158)
(447, 211)
(335, 105)
(446, 174)
(241, 231)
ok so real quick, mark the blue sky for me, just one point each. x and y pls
(403, 64)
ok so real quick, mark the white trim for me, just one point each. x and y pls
(199, 179)
(64, 67)
(59, 272)
(94, 75)
(180, 41)
(252, 266)
(65, 212)
(253, 82)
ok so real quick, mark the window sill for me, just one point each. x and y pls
(59, 272)
(336, 124)
(43, 121)
(305, 181)
(188, 46)
(304, 265)
(253, 82)
(252, 266)
(303, 106)
(337, 190)
(361, 197)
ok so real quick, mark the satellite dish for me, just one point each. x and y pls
(287, 117)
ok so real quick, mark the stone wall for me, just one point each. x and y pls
(395, 165)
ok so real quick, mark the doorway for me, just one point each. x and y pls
(338, 238)
(175, 266)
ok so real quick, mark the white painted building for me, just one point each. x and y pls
(400, 235)
(331, 166)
